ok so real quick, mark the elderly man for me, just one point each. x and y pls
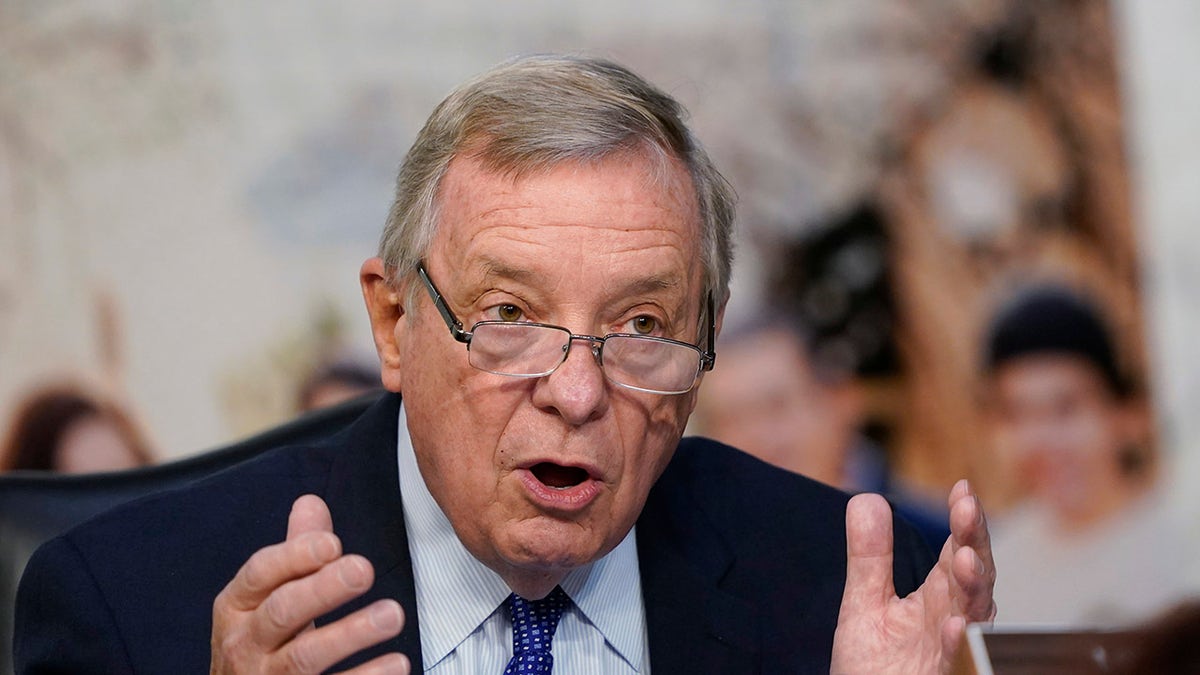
(546, 300)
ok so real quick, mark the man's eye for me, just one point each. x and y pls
(509, 313)
(644, 325)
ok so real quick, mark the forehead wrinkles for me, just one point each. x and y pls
(666, 180)
(620, 223)
(596, 219)
(603, 244)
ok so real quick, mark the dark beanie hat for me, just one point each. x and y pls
(1052, 319)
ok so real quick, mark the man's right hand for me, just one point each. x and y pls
(263, 619)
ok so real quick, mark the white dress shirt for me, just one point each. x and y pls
(465, 627)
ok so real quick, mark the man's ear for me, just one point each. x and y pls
(385, 308)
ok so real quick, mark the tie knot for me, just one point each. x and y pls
(534, 623)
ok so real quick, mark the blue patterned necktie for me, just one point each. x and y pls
(534, 623)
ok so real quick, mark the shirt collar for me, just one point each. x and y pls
(605, 592)
(456, 593)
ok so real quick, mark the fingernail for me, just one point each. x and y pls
(978, 511)
(322, 548)
(386, 616)
(978, 565)
(353, 572)
(399, 664)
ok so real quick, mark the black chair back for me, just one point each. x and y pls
(36, 506)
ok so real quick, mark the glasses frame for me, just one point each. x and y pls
(708, 357)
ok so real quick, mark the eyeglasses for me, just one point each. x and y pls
(656, 365)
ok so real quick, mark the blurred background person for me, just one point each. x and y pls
(64, 428)
(770, 397)
(337, 382)
(1073, 428)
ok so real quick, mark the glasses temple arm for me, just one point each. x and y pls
(452, 322)
(709, 358)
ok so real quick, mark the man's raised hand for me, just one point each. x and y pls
(879, 632)
(263, 619)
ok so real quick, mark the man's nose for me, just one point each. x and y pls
(577, 390)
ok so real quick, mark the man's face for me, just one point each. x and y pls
(542, 475)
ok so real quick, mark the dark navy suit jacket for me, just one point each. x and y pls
(742, 564)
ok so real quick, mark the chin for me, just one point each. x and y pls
(549, 545)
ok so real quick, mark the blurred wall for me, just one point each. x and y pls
(187, 189)
(1162, 59)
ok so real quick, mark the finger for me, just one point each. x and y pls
(972, 585)
(973, 568)
(273, 566)
(309, 514)
(968, 522)
(961, 489)
(391, 664)
(294, 605)
(869, 581)
(952, 636)
(319, 649)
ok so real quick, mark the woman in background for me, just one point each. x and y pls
(62, 428)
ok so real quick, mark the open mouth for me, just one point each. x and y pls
(557, 476)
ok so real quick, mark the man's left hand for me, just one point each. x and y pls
(879, 632)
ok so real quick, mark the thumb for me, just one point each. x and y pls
(868, 554)
(309, 514)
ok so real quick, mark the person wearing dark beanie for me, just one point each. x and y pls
(1051, 319)
(1064, 415)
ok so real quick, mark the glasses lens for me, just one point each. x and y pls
(651, 365)
(521, 349)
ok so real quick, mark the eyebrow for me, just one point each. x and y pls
(650, 284)
(496, 268)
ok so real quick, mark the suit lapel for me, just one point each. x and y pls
(363, 494)
(693, 625)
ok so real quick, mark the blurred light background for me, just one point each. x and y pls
(187, 189)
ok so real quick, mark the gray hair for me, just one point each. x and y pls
(536, 112)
